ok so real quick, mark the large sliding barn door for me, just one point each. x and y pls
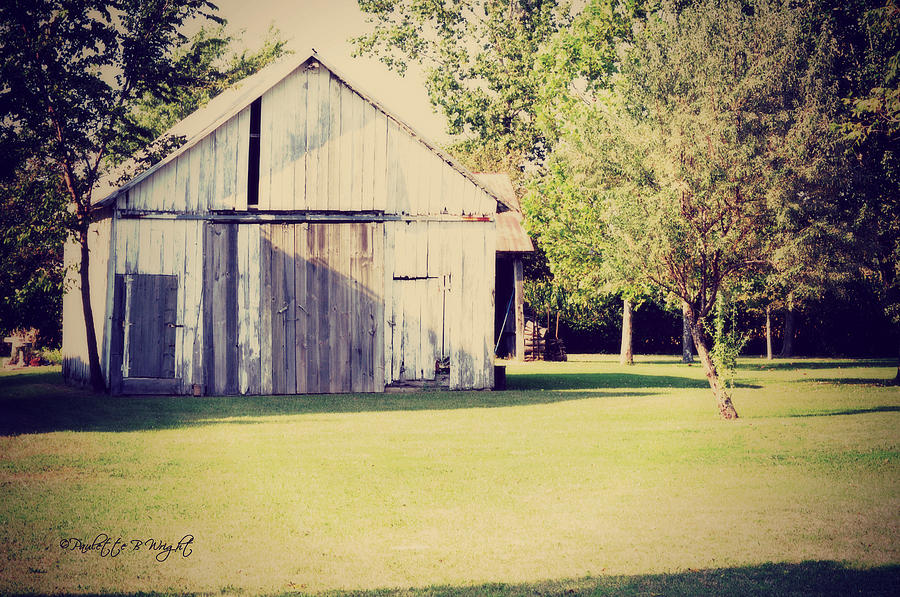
(293, 308)
(143, 344)
(321, 307)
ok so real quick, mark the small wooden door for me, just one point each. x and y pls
(142, 358)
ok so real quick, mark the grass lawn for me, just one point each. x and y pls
(583, 478)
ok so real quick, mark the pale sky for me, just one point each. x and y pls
(326, 25)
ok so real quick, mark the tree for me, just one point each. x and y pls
(682, 166)
(478, 57)
(76, 73)
(32, 234)
(869, 38)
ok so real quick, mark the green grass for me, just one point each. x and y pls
(584, 478)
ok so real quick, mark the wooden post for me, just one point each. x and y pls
(518, 280)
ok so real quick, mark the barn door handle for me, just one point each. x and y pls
(174, 325)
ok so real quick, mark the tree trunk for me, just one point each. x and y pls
(626, 356)
(687, 345)
(97, 381)
(723, 400)
(556, 331)
(787, 346)
(768, 332)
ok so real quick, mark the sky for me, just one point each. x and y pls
(327, 25)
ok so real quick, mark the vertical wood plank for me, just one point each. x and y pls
(253, 308)
(230, 339)
(325, 137)
(132, 235)
(189, 304)
(226, 164)
(300, 138)
(192, 200)
(275, 132)
(313, 308)
(398, 347)
(356, 201)
(489, 278)
(290, 147)
(243, 159)
(334, 142)
(266, 117)
(337, 315)
(379, 168)
(180, 188)
(368, 156)
(313, 139)
(290, 306)
(265, 308)
(376, 291)
(279, 310)
(452, 321)
(243, 255)
(387, 301)
(107, 293)
(519, 290)
(177, 240)
(325, 323)
(168, 198)
(209, 286)
(217, 310)
(394, 201)
(196, 278)
(355, 281)
(474, 271)
(346, 144)
(117, 335)
(301, 334)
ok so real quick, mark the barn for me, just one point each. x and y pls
(302, 240)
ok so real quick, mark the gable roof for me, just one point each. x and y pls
(501, 186)
(230, 102)
(511, 234)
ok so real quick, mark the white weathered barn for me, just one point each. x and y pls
(302, 240)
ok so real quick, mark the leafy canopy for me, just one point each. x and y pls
(478, 58)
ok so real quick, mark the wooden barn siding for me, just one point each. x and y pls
(74, 344)
(309, 308)
(439, 295)
(329, 290)
(171, 248)
(314, 130)
(210, 175)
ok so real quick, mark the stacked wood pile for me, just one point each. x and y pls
(539, 346)
(535, 346)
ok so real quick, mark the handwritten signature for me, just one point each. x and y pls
(106, 547)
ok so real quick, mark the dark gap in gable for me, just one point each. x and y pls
(253, 168)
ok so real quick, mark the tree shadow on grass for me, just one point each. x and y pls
(823, 578)
(806, 578)
(799, 364)
(849, 411)
(583, 381)
(856, 381)
(43, 404)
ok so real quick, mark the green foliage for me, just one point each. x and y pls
(478, 58)
(869, 38)
(675, 176)
(727, 340)
(32, 233)
(210, 64)
(76, 74)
